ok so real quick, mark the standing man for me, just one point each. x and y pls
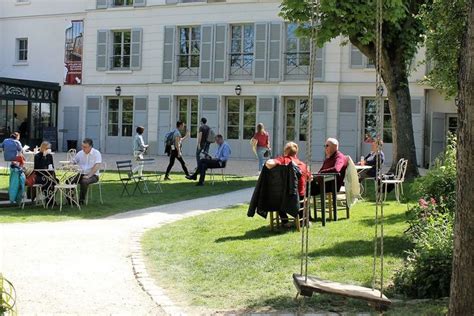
(175, 150)
(202, 143)
(219, 161)
(89, 160)
(139, 149)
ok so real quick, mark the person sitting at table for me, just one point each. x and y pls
(335, 162)
(43, 161)
(219, 161)
(371, 160)
(290, 153)
(89, 160)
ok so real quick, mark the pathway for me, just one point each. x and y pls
(84, 267)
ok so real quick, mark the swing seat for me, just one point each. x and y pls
(348, 290)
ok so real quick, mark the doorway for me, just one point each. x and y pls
(119, 126)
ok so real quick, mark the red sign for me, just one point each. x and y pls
(73, 53)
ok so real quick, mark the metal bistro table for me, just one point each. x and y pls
(360, 169)
(327, 177)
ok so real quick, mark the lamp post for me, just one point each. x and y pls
(118, 91)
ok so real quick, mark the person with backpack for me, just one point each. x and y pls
(203, 142)
(12, 147)
(173, 148)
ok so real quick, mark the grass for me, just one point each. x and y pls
(225, 261)
(179, 189)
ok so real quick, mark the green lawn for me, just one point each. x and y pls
(225, 261)
(179, 189)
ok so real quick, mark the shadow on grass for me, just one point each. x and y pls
(388, 220)
(393, 246)
(261, 232)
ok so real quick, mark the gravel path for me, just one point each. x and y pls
(84, 267)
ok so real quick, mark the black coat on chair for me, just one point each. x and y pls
(276, 190)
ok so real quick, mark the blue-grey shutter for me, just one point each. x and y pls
(71, 124)
(319, 128)
(266, 115)
(102, 49)
(136, 49)
(102, 4)
(274, 51)
(168, 54)
(164, 121)
(319, 73)
(220, 52)
(205, 61)
(139, 3)
(140, 115)
(210, 110)
(418, 127)
(437, 135)
(347, 126)
(357, 58)
(260, 52)
(93, 119)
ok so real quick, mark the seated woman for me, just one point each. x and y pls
(44, 162)
(290, 155)
(371, 160)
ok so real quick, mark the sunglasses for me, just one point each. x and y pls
(326, 145)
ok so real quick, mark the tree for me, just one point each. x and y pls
(462, 281)
(403, 32)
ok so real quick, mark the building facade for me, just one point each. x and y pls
(235, 62)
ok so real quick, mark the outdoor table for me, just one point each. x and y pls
(50, 176)
(359, 169)
(327, 177)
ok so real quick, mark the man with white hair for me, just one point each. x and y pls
(335, 162)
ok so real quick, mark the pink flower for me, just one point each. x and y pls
(432, 201)
(422, 202)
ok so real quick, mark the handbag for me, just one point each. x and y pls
(31, 179)
(267, 153)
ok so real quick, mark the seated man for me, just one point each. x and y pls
(290, 156)
(219, 161)
(335, 162)
(371, 160)
(89, 160)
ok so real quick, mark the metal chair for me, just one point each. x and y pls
(397, 180)
(126, 176)
(149, 178)
(71, 153)
(102, 170)
(213, 175)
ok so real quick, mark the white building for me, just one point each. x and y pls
(184, 59)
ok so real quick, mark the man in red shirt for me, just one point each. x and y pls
(290, 155)
(335, 162)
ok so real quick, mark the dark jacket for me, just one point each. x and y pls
(276, 190)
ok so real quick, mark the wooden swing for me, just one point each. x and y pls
(307, 285)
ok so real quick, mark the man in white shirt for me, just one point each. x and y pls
(89, 160)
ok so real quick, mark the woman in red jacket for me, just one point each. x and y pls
(261, 145)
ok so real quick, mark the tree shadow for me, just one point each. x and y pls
(388, 220)
(259, 233)
(392, 246)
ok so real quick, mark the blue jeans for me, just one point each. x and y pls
(261, 159)
(204, 148)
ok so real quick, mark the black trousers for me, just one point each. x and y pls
(173, 157)
(205, 164)
(83, 184)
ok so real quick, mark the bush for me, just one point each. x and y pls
(426, 272)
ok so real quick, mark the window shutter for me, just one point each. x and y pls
(357, 58)
(93, 119)
(319, 73)
(418, 126)
(319, 127)
(139, 3)
(164, 119)
(102, 45)
(260, 52)
(136, 49)
(274, 52)
(101, 4)
(205, 61)
(140, 117)
(168, 54)
(220, 54)
(347, 126)
(210, 110)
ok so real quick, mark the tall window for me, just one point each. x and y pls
(296, 119)
(241, 118)
(22, 49)
(241, 50)
(121, 50)
(189, 51)
(188, 113)
(122, 3)
(297, 49)
(370, 117)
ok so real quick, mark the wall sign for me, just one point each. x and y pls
(73, 53)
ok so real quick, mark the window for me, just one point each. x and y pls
(122, 3)
(189, 51)
(359, 60)
(296, 119)
(121, 50)
(188, 113)
(370, 132)
(241, 118)
(22, 49)
(452, 121)
(241, 50)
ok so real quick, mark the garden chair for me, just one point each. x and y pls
(102, 170)
(126, 176)
(275, 220)
(214, 172)
(149, 179)
(397, 179)
(71, 153)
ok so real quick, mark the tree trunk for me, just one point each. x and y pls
(462, 280)
(395, 77)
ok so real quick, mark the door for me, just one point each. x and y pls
(188, 112)
(437, 135)
(241, 118)
(296, 123)
(71, 125)
(119, 126)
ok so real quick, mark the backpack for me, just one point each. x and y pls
(10, 149)
(169, 141)
(211, 136)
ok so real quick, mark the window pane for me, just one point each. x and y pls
(236, 45)
(290, 106)
(233, 119)
(193, 131)
(117, 37)
(182, 116)
(290, 134)
(194, 118)
(126, 37)
(232, 132)
(113, 105)
(113, 117)
(387, 136)
(290, 120)
(236, 32)
(250, 105)
(250, 120)
(127, 105)
(126, 61)
(233, 105)
(194, 104)
(292, 45)
(127, 118)
(195, 61)
(127, 130)
(302, 136)
(248, 132)
(112, 130)
(183, 105)
(196, 33)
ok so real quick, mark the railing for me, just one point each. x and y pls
(297, 63)
(241, 64)
(120, 62)
(187, 72)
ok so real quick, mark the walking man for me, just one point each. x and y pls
(175, 150)
(202, 143)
